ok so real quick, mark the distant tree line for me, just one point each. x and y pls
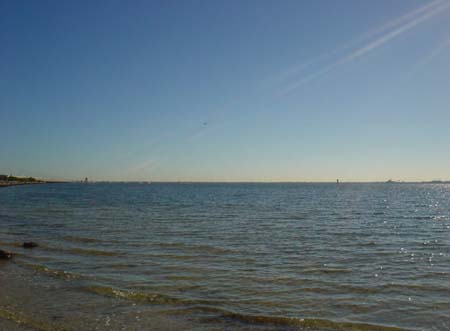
(11, 178)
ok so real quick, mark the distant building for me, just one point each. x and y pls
(3, 177)
(86, 180)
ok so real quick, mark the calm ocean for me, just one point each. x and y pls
(226, 256)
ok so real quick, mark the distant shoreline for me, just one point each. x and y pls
(8, 184)
(14, 183)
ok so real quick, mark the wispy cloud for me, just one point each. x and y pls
(157, 152)
(382, 34)
(143, 167)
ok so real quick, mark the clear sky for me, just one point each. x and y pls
(225, 90)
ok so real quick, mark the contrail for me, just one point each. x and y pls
(434, 53)
(412, 19)
(387, 37)
(401, 19)
(369, 34)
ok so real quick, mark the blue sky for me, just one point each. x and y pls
(225, 90)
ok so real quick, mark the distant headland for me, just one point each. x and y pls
(11, 180)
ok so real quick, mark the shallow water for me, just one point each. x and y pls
(237, 256)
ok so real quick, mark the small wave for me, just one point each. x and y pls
(197, 248)
(339, 289)
(73, 250)
(423, 217)
(36, 258)
(287, 322)
(369, 243)
(298, 217)
(134, 296)
(358, 289)
(123, 265)
(327, 270)
(92, 252)
(9, 244)
(146, 297)
(51, 272)
(220, 314)
(309, 323)
(81, 239)
(55, 225)
(175, 256)
(184, 277)
(19, 245)
(416, 287)
(320, 290)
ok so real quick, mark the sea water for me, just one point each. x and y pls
(217, 256)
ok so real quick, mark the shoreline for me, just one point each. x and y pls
(8, 184)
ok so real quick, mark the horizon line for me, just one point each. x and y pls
(437, 181)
